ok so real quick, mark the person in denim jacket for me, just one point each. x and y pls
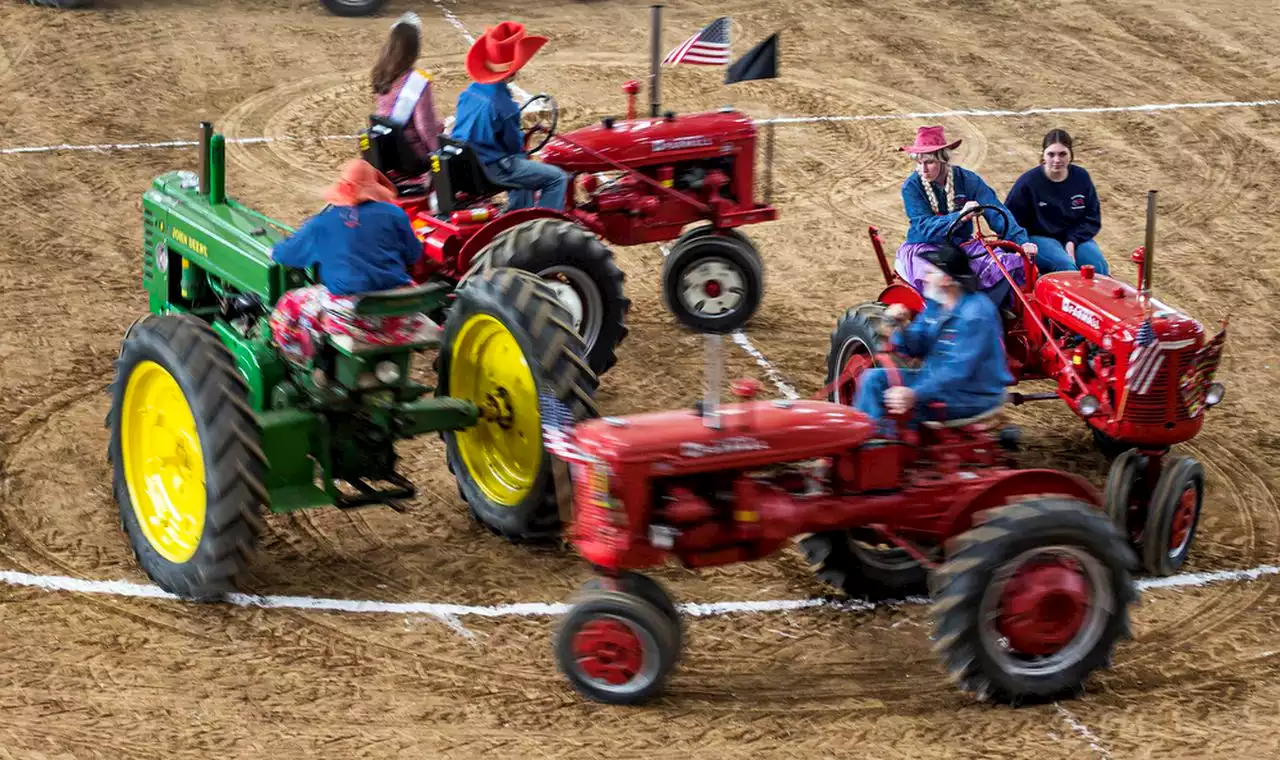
(489, 121)
(934, 196)
(960, 338)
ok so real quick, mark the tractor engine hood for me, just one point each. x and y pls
(751, 434)
(1097, 306)
(639, 142)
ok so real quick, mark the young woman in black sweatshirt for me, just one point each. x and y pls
(1057, 204)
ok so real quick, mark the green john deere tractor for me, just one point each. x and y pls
(210, 423)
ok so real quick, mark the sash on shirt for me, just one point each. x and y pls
(409, 96)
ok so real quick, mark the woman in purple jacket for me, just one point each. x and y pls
(403, 93)
(1058, 205)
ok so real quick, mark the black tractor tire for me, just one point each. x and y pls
(353, 7)
(973, 656)
(1179, 475)
(63, 4)
(657, 635)
(1126, 483)
(859, 563)
(229, 439)
(857, 332)
(568, 255)
(649, 590)
(697, 247)
(527, 307)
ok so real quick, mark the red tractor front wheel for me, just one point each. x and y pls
(1173, 516)
(616, 647)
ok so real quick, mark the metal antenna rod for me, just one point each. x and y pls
(1149, 245)
(714, 369)
(655, 59)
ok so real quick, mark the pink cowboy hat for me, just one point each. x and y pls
(928, 140)
(359, 182)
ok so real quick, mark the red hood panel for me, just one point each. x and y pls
(655, 140)
(1101, 304)
(751, 432)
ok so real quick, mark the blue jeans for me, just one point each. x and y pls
(530, 176)
(1051, 256)
(875, 381)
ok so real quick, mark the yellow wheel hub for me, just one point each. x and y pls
(503, 450)
(163, 462)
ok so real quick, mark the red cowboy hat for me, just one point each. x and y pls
(360, 182)
(928, 140)
(501, 51)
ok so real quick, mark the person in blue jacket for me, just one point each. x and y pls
(934, 196)
(360, 243)
(960, 338)
(488, 119)
(1058, 205)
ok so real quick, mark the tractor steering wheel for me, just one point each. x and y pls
(977, 222)
(539, 126)
(993, 242)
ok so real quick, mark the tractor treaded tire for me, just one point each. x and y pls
(539, 244)
(529, 308)
(353, 7)
(230, 440)
(1175, 474)
(862, 322)
(973, 557)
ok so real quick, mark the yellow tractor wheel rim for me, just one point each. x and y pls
(163, 462)
(503, 450)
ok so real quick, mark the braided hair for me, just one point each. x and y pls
(949, 185)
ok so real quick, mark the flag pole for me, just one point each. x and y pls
(1149, 247)
(655, 59)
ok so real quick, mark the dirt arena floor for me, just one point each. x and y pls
(99, 675)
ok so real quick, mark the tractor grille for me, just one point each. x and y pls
(149, 238)
(1163, 402)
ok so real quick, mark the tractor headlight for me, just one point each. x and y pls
(1089, 405)
(1213, 395)
(387, 372)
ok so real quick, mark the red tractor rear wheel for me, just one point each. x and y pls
(855, 341)
(581, 270)
(1033, 600)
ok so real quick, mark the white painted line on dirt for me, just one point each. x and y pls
(770, 371)
(1084, 732)
(103, 147)
(1027, 112)
(774, 120)
(444, 611)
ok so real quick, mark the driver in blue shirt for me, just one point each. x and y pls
(488, 119)
(960, 338)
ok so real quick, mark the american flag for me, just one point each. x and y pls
(709, 47)
(557, 422)
(1144, 360)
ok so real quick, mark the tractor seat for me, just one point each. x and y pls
(398, 302)
(456, 171)
(964, 422)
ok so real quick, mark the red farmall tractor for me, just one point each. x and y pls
(1030, 596)
(1139, 372)
(634, 181)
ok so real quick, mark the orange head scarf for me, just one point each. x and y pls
(360, 182)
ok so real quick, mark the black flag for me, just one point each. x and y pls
(760, 62)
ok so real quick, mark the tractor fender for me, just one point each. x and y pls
(903, 294)
(1019, 483)
(485, 235)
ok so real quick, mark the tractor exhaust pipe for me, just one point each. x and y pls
(1149, 245)
(206, 135)
(655, 59)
